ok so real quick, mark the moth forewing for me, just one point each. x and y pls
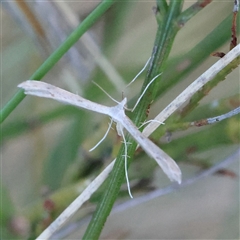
(46, 90)
(168, 165)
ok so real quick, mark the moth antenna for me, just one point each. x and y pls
(106, 92)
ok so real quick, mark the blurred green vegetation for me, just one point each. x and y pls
(50, 142)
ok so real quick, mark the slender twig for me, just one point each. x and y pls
(76, 204)
(233, 42)
(179, 68)
(195, 99)
(193, 10)
(192, 89)
(176, 126)
(213, 120)
(234, 24)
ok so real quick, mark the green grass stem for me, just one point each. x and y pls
(161, 49)
(57, 54)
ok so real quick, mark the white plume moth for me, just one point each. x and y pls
(42, 89)
(167, 164)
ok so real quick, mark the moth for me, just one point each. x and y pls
(116, 113)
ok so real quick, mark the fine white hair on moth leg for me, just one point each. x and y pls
(102, 139)
(121, 133)
(149, 121)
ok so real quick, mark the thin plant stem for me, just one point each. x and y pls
(213, 120)
(193, 10)
(201, 93)
(202, 122)
(161, 49)
(180, 68)
(76, 204)
(192, 89)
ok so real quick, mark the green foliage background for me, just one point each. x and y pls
(45, 144)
